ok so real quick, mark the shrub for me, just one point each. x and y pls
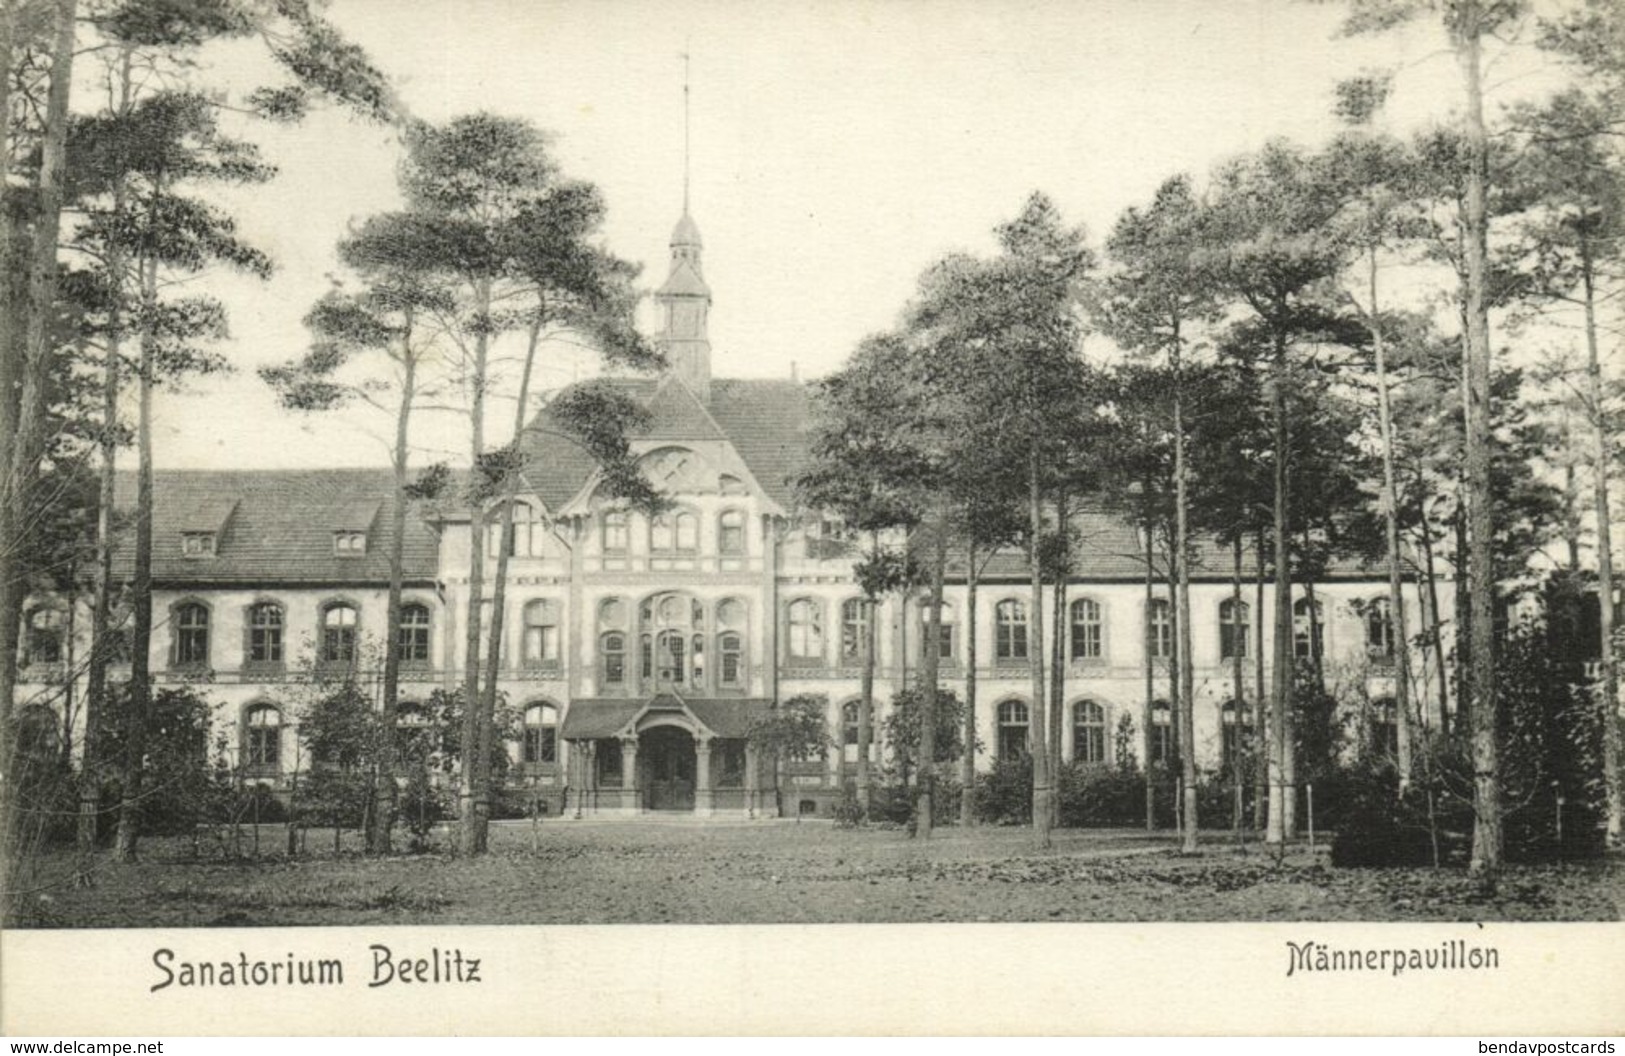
(1093, 795)
(1004, 794)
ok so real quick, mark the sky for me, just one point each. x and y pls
(837, 149)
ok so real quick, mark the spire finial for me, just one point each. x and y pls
(685, 129)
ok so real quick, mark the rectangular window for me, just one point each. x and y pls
(541, 744)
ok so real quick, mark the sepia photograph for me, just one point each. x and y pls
(569, 468)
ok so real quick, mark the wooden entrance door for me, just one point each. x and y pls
(671, 767)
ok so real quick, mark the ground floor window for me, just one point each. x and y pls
(1162, 732)
(609, 762)
(1384, 727)
(1088, 732)
(1013, 722)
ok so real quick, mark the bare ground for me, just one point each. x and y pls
(681, 871)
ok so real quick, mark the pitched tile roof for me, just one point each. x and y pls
(766, 421)
(280, 529)
(587, 719)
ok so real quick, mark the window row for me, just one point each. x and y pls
(338, 628)
(673, 532)
(263, 725)
(673, 643)
(1086, 630)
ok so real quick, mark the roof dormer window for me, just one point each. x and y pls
(197, 544)
(350, 544)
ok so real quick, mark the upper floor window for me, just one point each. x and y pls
(1161, 643)
(612, 641)
(1379, 629)
(1088, 631)
(945, 632)
(529, 532)
(1088, 732)
(854, 630)
(541, 734)
(1233, 617)
(197, 544)
(191, 635)
(413, 642)
(265, 633)
(1013, 721)
(45, 635)
(804, 624)
(674, 532)
(541, 634)
(1010, 630)
(616, 532)
(349, 544)
(1308, 630)
(263, 747)
(731, 533)
(339, 634)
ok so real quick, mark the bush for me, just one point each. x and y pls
(892, 803)
(1094, 795)
(1004, 794)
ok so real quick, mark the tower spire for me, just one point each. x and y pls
(685, 130)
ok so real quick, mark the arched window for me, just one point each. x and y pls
(849, 722)
(1010, 630)
(45, 634)
(1088, 636)
(191, 635)
(1384, 727)
(731, 533)
(541, 735)
(1233, 617)
(263, 747)
(1308, 633)
(339, 634)
(1013, 721)
(612, 651)
(413, 643)
(616, 533)
(1161, 643)
(1379, 630)
(671, 533)
(731, 642)
(1162, 732)
(540, 644)
(38, 738)
(945, 633)
(1088, 732)
(671, 648)
(804, 622)
(265, 633)
(854, 630)
(612, 641)
(1236, 730)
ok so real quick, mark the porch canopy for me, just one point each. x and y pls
(592, 718)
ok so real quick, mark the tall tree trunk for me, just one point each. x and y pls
(1609, 687)
(1486, 853)
(22, 440)
(1182, 612)
(499, 587)
(1043, 788)
(930, 676)
(1282, 794)
(1238, 678)
(866, 702)
(476, 812)
(139, 699)
(1390, 507)
(1261, 768)
(1464, 621)
(967, 766)
(1148, 739)
(1057, 671)
(1430, 599)
(383, 815)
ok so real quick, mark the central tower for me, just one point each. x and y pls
(685, 296)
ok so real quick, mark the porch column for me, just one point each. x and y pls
(629, 773)
(703, 801)
(752, 780)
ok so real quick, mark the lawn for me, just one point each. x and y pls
(682, 871)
